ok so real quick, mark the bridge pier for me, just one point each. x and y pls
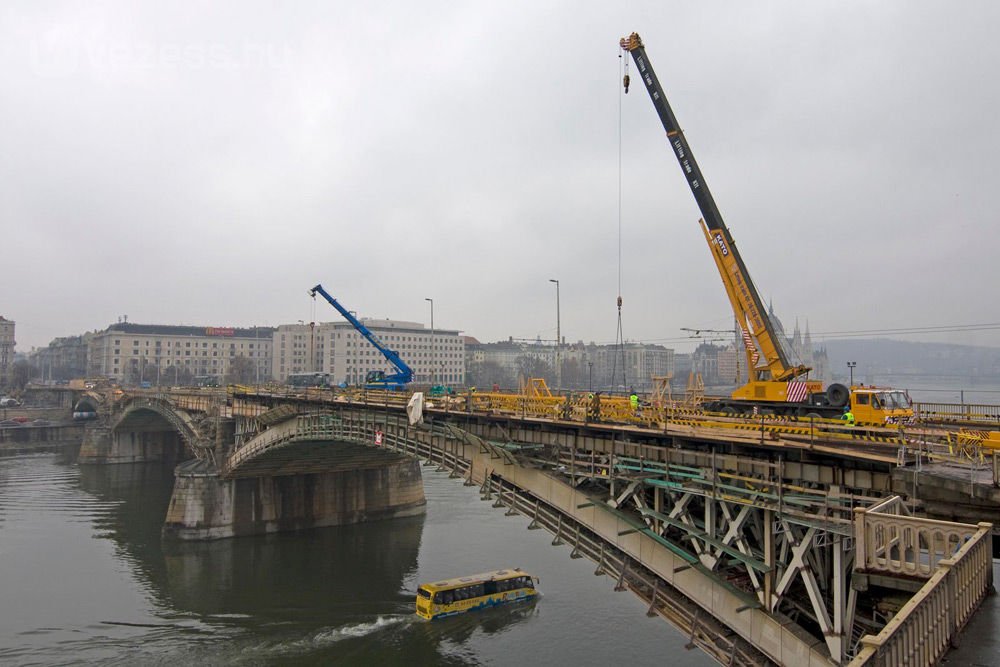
(102, 444)
(206, 505)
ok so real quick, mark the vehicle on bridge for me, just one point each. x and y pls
(316, 379)
(777, 383)
(374, 379)
(206, 381)
(477, 591)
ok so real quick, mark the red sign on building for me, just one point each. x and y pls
(219, 331)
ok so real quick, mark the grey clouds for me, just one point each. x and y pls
(192, 164)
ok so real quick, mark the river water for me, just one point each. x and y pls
(85, 579)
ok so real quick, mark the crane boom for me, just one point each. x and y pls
(403, 374)
(773, 384)
(758, 331)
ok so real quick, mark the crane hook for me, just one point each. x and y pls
(626, 82)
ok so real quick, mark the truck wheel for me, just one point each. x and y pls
(838, 395)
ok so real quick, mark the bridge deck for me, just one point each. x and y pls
(728, 529)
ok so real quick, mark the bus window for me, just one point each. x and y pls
(423, 592)
(490, 587)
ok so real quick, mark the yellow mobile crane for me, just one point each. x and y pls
(776, 384)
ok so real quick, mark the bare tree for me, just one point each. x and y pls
(21, 373)
(533, 367)
(488, 373)
(241, 370)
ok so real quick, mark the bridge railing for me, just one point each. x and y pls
(318, 426)
(889, 541)
(925, 627)
(975, 413)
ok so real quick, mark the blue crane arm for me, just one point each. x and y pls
(404, 373)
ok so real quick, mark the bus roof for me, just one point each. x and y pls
(475, 578)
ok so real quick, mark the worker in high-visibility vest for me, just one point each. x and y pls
(848, 416)
(633, 400)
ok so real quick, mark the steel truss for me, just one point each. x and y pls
(702, 629)
(789, 546)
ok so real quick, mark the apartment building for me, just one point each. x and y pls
(340, 350)
(162, 354)
(6, 350)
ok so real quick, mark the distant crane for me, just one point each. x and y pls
(374, 379)
(709, 335)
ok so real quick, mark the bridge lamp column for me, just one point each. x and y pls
(850, 367)
(433, 352)
(558, 337)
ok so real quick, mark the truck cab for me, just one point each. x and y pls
(881, 405)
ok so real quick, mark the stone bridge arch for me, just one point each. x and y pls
(298, 471)
(147, 428)
(89, 402)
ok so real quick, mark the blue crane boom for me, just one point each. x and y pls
(374, 379)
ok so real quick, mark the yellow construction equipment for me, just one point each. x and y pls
(777, 384)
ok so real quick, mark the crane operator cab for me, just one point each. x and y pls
(373, 377)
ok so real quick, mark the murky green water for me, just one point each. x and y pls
(85, 579)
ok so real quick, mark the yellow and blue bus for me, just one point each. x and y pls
(476, 591)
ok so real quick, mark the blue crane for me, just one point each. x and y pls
(374, 379)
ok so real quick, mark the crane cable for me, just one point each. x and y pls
(619, 335)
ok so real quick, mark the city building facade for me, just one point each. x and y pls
(164, 354)
(584, 366)
(64, 358)
(336, 348)
(6, 350)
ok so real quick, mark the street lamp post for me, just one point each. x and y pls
(850, 366)
(433, 353)
(590, 375)
(558, 337)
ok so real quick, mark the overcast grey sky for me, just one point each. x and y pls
(185, 163)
